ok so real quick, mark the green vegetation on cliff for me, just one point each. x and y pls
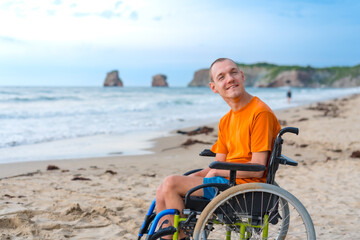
(313, 76)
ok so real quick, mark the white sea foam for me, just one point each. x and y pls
(34, 115)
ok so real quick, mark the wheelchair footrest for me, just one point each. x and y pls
(163, 232)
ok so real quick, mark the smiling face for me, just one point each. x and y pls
(227, 79)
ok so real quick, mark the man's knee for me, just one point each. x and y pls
(170, 184)
(159, 192)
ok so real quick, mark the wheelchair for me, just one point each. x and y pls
(245, 211)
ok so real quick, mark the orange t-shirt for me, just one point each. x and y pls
(250, 129)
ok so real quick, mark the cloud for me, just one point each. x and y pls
(109, 14)
(57, 2)
(51, 12)
(134, 16)
(9, 39)
(81, 14)
(157, 18)
(8, 5)
(117, 4)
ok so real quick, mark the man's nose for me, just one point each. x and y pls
(230, 78)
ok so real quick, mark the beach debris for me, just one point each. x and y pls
(355, 154)
(329, 109)
(74, 209)
(282, 122)
(290, 143)
(192, 141)
(30, 174)
(115, 153)
(303, 119)
(52, 167)
(201, 130)
(335, 150)
(298, 155)
(80, 179)
(65, 170)
(303, 145)
(149, 175)
(111, 172)
(187, 143)
(9, 196)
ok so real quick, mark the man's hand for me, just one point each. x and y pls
(201, 173)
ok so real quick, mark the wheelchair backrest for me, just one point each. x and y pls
(275, 156)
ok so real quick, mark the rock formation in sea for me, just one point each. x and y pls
(271, 75)
(159, 80)
(112, 79)
(201, 78)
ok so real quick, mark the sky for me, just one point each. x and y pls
(76, 42)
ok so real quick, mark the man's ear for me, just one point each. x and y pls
(212, 87)
(242, 75)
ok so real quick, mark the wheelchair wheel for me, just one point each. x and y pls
(254, 211)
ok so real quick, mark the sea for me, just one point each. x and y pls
(47, 123)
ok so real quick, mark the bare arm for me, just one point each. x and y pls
(203, 173)
(257, 158)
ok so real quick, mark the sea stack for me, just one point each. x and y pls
(112, 79)
(201, 78)
(159, 80)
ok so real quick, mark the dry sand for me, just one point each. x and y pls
(111, 195)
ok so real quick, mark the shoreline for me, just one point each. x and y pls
(113, 196)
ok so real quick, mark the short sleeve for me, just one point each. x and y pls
(220, 146)
(263, 132)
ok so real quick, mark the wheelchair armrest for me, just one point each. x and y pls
(219, 186)
(207, 153)
(192, 171)
(251, 167)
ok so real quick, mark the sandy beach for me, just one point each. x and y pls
(107, 198)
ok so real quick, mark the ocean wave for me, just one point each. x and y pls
(38, 99)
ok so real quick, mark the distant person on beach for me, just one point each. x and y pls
(246, 135)
(288, 95)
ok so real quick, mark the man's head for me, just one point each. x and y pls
(216, 61)
(226, 78)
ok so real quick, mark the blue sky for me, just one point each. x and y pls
(75, 43)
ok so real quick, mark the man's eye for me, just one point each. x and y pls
(221, 78)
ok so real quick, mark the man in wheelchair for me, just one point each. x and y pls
(246, 135)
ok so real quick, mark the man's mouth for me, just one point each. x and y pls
(232, 86)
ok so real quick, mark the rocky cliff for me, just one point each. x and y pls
(159, 80)
(112, 79)
(201, 78)
(271, 75)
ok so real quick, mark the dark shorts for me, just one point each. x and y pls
(210, 192)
